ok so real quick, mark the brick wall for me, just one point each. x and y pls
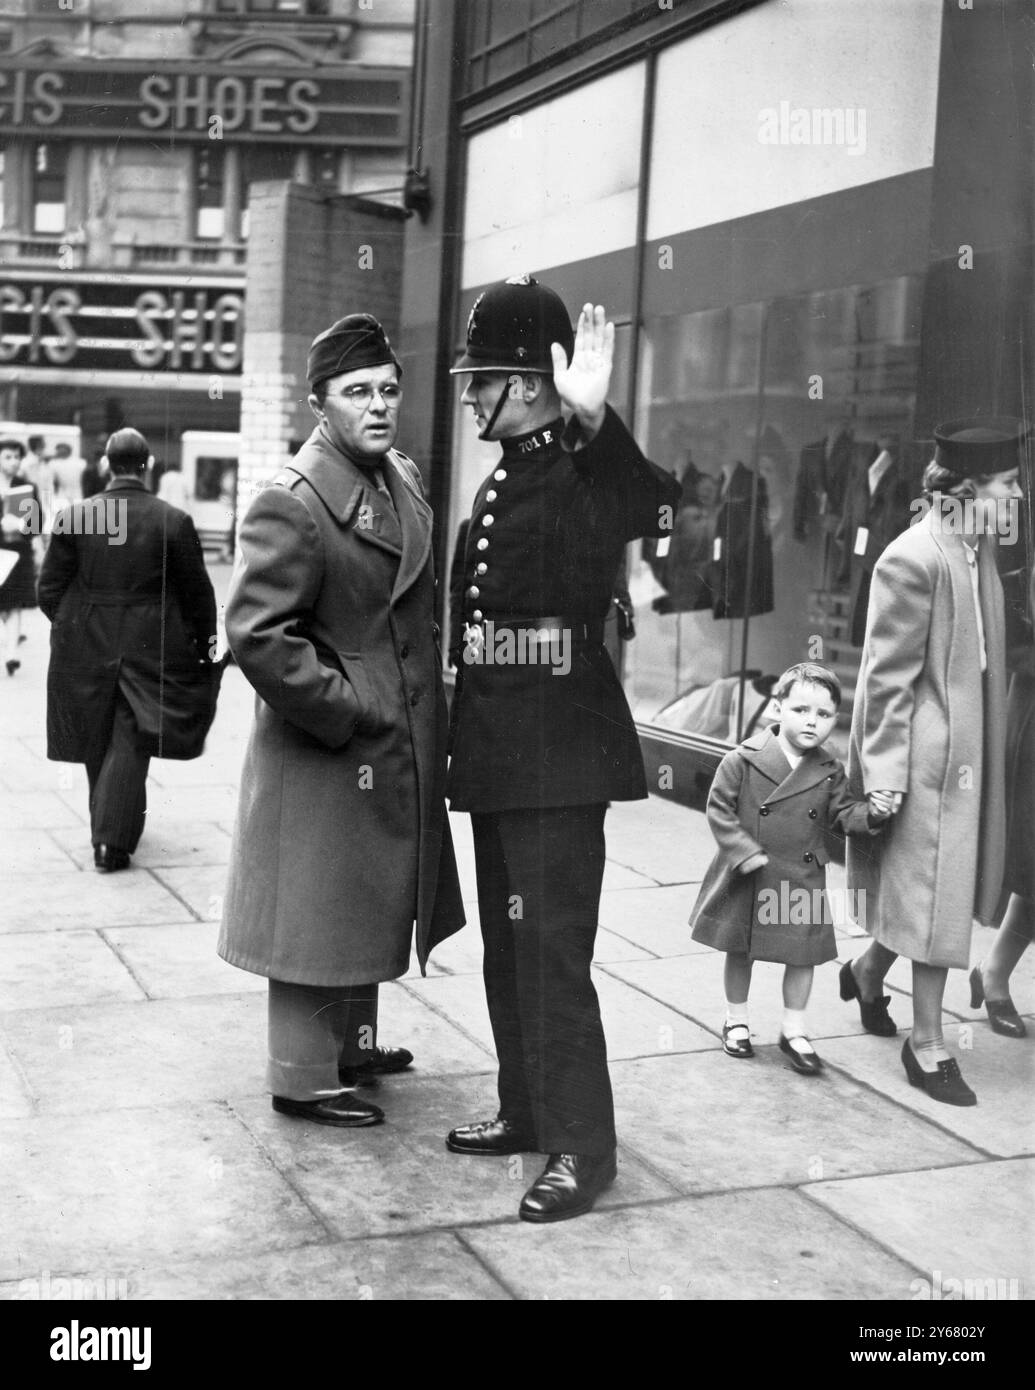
(312, 257)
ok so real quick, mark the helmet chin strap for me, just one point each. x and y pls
(486, 433)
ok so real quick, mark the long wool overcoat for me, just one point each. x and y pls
(758, 802)
(132, 612)
(341, 841)
(928, 723)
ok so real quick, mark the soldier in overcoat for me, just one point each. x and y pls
(543, 734)
(341, 843)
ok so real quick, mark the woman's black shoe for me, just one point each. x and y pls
(736, 1047)
(946, 1084)
(874, 1013)
(1002, 1014)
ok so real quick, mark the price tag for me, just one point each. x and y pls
(663, 546)
(717, 549)
(861, 538)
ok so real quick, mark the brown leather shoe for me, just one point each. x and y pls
(568, 1186)
(346, 1110)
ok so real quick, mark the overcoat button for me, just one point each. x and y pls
(763, 811)
(812, 813)
(414, 697)
(808, 856)
(404, 650)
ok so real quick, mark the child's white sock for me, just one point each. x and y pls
(795, 1030)
(736, 1015)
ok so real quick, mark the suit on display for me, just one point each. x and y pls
(742, 533)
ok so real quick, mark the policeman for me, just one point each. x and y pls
(543, 737)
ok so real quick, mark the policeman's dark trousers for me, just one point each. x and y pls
(539, 877)
(118, 784)
(314, 1029)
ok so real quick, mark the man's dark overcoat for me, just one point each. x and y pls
(341, 840)
(131, 607)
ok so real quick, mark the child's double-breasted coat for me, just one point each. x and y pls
(759, 803)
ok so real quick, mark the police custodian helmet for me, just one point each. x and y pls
(511, 327)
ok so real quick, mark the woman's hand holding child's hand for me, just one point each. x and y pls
(884, 804)
(757, 861)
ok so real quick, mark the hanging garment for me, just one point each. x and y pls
(734, 540)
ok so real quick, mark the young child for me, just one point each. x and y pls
(773, 800)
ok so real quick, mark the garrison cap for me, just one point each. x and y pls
(354, 342)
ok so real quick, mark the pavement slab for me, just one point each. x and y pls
(43, 849)
(15, 1097)
(201, 887)
(708, 1248)
(709, 1122)
(399, 1176)
(633, 1025)
(188, 1180)
(36, 810)
(77, 901)
(165, 844)
(659, 839)
(1002, 1077)
(654, 919)
(432, 1266)
(973, 1223)
(71, 967)
(178, 961)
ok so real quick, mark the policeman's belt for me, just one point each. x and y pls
(587, 630)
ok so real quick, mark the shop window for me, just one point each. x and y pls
(505, 36)
(2, 175)
(782, 512)
(300, 7)
(209, 215)
(258, 164)
(48, 188)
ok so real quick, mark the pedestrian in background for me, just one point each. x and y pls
(20, 512)
(133, 620)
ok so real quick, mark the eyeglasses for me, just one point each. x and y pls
(361, 397)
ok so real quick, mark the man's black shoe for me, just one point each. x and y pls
(568, 1186)
(346, 1110)
(108, 859)
(490, 1137)
(384, 1061)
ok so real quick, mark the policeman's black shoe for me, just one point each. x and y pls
(108, 859)
(568, 1186)
(347, 1111)
(808, 1063)
(873, 1012)
(490, 1137)
(384, 1061)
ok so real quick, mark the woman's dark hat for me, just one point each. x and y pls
(983, 445)
(354, 342)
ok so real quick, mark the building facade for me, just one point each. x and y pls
(811, 221)
(135, 137)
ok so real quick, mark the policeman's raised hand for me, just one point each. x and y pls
(583, 383)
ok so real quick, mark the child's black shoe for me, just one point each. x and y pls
(739, 1046)
(808, 1063)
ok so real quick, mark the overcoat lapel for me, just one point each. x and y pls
(764, 753)
(414, 518)
(350, 495)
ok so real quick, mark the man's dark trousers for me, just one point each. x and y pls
(117, 774)
(539, 878)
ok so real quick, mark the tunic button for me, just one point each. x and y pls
(414, 697)
(808, 856)
(483, 544)
(500, 474)
(488, 519)
(481, 567)
(490, 496)
(477, 615)
(763, 811)
(812, 813)
(474, 591)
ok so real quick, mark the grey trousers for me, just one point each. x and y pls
(314, 1029)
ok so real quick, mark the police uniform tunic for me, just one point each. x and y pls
(543, 739)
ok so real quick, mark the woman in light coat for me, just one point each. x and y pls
(929, 728)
